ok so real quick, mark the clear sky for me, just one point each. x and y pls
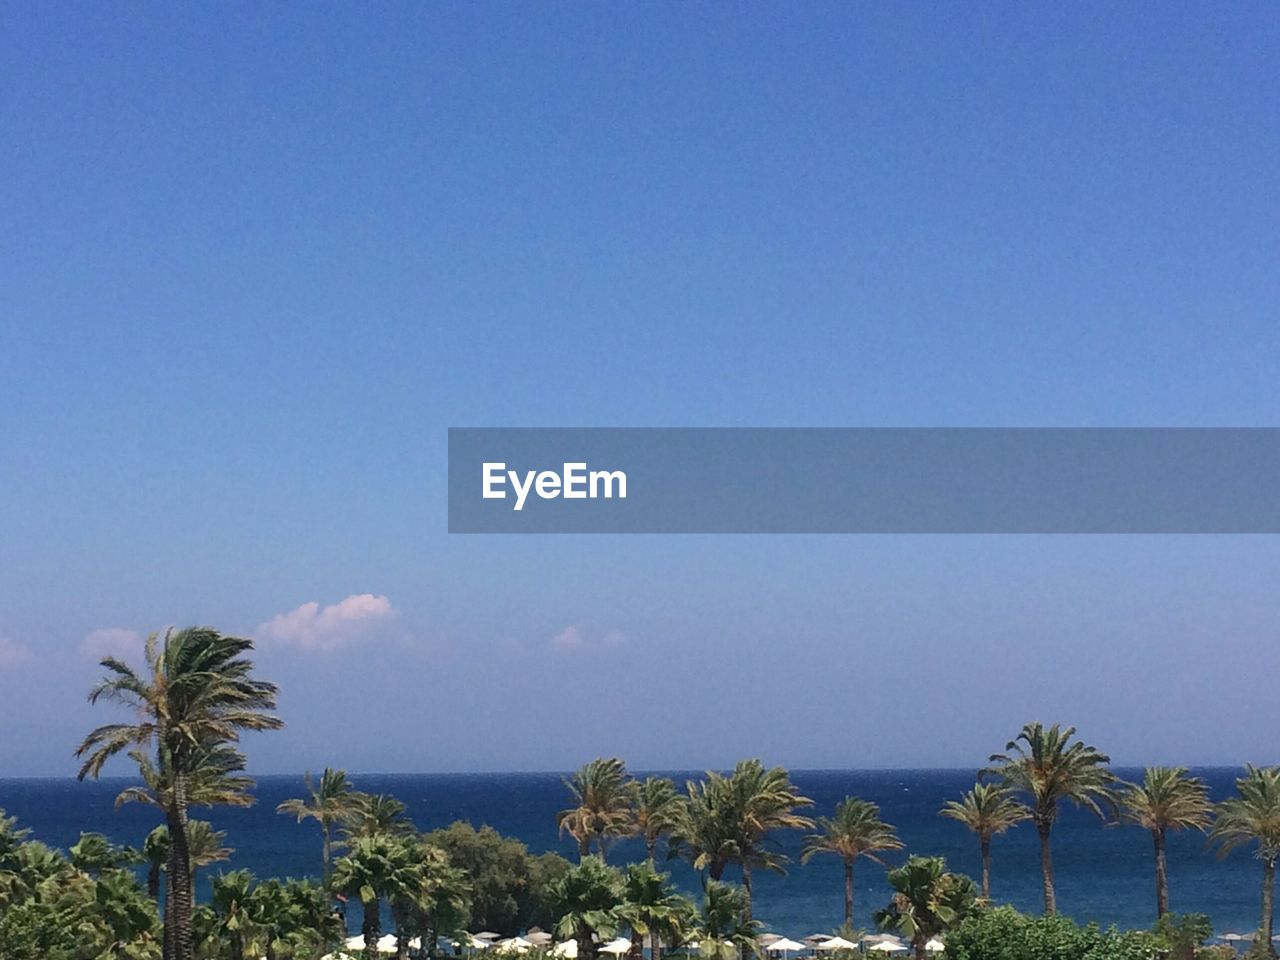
(255, 259)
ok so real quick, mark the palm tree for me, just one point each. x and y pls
(155, 854)
(855, 831)
(651, 907)
(727, 931)
(1049, 766)
(988, 810)
(444, 907)
(927, 900)
(1167, 799)
(601, 805)
(229, 904)
(586, 899)
(703, 837)
(375, 866)
(657, 811)
(204, 845)
(329, 803)
(760, 802)
(197, 690)
(1254, 817)
(376, 815)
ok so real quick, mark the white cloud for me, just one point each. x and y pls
(312, 627)
(12, 653)
(111, 642)
(572, 638)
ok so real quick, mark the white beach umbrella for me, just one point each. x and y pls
(888, 946)
(617, 947)
(784, 946)
(935, 945)
(836, 943)
(767, 938)
(568, 950)
(354, 943)
(512, 945)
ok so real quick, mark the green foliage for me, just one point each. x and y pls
(602, 804)
(1181, 936)
(1004, 934)
(586, 900)
(508, 885)
(724, 931)
(927, 900)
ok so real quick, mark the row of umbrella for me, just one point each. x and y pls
(568, 950)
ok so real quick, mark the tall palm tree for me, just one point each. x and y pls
(657, 812)
(760, 801)
(1051, 767)
(197, 691)
(601, 805)
(703, 837)
(987, 809)
(328, 802)
(927, 901)
(1168, 798)
(586, 899)
(855, 831)
(375, 815)
(1253, 816)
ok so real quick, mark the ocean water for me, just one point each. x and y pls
(1104, 873)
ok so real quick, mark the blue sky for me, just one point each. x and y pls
(255, 261)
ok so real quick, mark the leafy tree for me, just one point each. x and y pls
(1181, 936)
(658, 811)
(988, 809)
(197, 691)
(586, 899)
(927, 900)
(855, 831)
(726, 930)
(1003, 933)
(1168, 798)
(329, 802)
(1252, 817)
(601, 805)
(1050, 767)
(507, 886)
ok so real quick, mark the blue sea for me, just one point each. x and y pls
(1104, 873)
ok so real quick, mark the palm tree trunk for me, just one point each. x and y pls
(1268, 895)
(1046, 869)
(371, 928)
(153, 882)
(985, 845)
(326, 850)
(918, 941)
(237, 946)
(584, 848)
(848, 893)
(1162, 875)
(586, 944)
(650, 850)
(179, 894)
(655, 944)
(746, 904)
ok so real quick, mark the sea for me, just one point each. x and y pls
(1104, 872)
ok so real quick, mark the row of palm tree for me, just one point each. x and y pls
(723, 820)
